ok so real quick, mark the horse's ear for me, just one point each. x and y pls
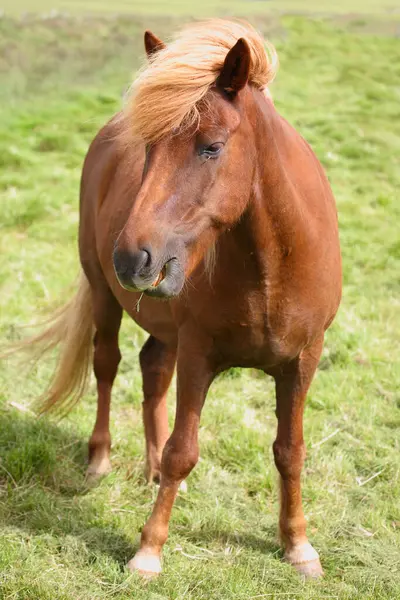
(235, 72)
(152, 43)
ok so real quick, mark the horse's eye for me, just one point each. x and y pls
(211, 151)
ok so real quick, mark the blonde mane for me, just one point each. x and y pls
(171, 88)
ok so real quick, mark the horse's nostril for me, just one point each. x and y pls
(140, 260)
(121, 264)
(130, 263)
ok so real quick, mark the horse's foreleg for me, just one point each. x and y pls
(292, 384)
(107, 320)
(157, 362)
(180, 453)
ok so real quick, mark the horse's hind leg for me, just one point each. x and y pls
(107, 319)
(157, 362)
(292, 384)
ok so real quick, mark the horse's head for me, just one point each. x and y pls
(196, 182)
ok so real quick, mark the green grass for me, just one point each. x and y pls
(59, 81)
(205, 8)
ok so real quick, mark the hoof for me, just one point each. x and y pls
(310, 570)
(305, 560)
(146, 565)
(98, 469)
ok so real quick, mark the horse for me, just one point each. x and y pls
(208, 218)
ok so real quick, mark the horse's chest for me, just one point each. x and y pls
(243, 345)
(242, 337)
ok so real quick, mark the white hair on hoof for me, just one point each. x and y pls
(146, 565)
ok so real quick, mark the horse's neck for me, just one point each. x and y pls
(273, 215)
(276, 218)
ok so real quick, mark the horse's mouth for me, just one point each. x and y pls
(169, 282)
(161, 276)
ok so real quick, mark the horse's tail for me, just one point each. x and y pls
(71, 327)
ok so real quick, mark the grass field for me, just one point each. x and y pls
(205, 8)
(60, 79)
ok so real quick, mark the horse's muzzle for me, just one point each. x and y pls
(139, 272)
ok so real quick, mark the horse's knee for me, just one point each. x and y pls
(179, 459)
(289, 459)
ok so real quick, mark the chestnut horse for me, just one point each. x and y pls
(199, 193)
